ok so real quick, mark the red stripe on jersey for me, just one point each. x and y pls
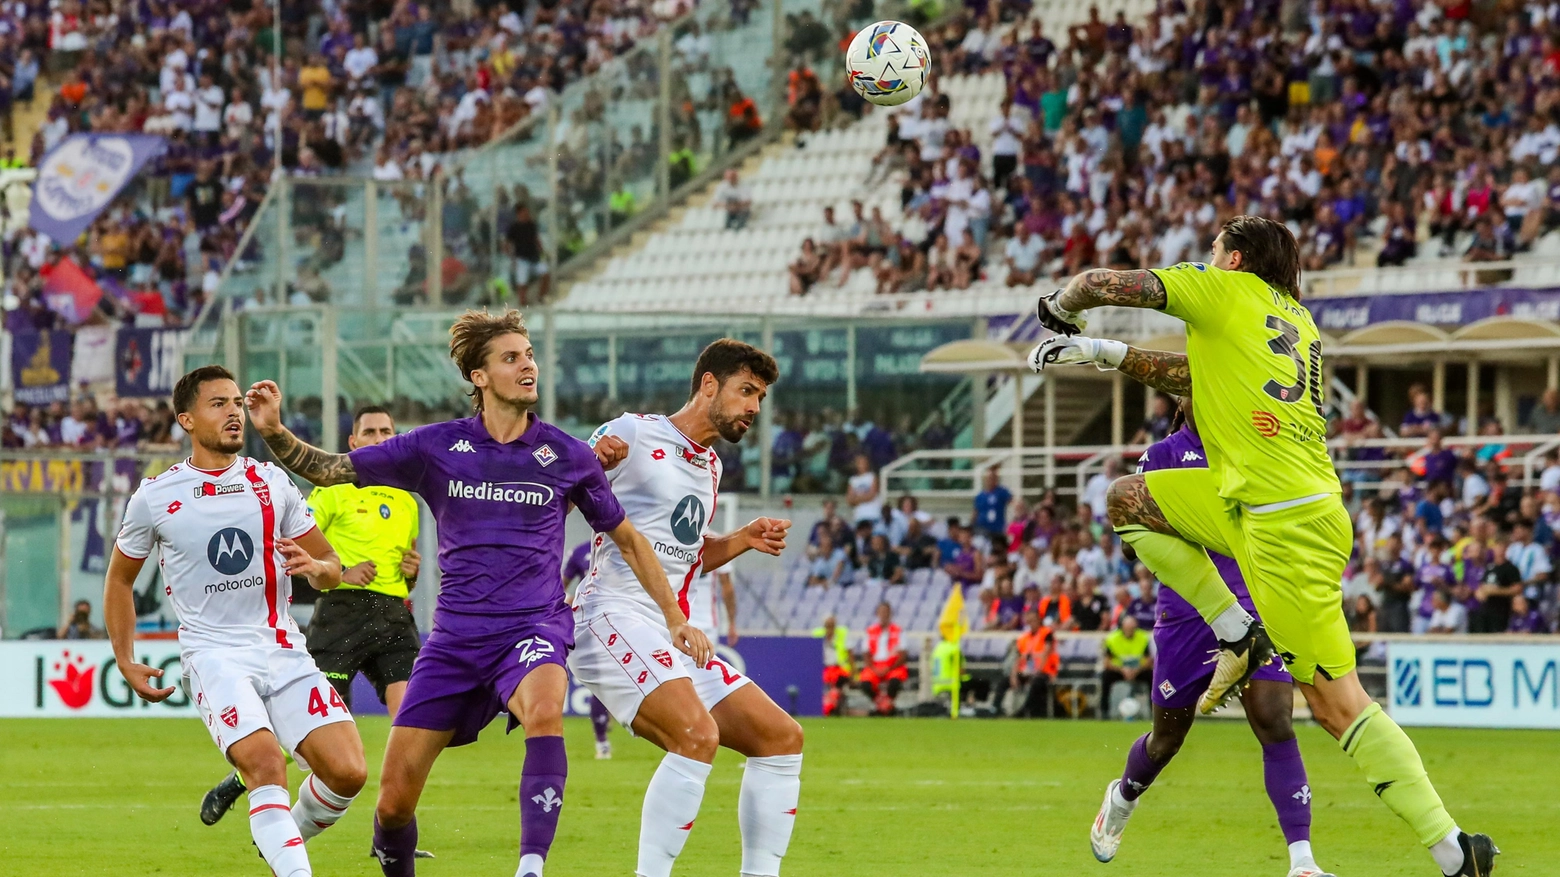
(268, 549)
(682, 595)
(264, 807)
(328, 805)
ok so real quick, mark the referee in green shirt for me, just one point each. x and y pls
(363, 625)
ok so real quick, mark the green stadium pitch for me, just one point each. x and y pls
(888, 797)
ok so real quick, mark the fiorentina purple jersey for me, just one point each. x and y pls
(1183, 449)
(579, 562)
(500, 510)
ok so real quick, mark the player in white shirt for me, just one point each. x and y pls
(704, 612)
(230, 532)
(665, 475)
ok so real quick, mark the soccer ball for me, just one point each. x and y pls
(887, 62)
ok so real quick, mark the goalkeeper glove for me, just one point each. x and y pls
(1056, 318)
(1104, 353)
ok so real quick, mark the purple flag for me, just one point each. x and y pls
(82, 175)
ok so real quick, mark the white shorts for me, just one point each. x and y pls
(241, 691)
(621, 656)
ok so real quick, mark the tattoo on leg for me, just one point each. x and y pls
(1128, 502)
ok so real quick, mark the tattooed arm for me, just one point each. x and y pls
(1123, 289)
(1158, 369)
(264, 401)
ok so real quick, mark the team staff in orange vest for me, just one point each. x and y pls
(1035, 668)
(884, 661)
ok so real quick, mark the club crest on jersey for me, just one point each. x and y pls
(662, 657)
(693, 458)
(545, 455)
(230, 717)
(262, 492)
(533, 649)
(208, 488)
(1166, 689)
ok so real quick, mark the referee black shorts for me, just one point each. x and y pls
(363, 631)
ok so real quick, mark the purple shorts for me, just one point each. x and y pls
(461, 683)
(1184, 660)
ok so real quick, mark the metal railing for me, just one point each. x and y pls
(1066, 470)
(1445, 276)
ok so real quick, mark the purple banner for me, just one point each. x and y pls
(774, 663)
(1455, 308)
(40, 367)
(82, 175)
(147, 362)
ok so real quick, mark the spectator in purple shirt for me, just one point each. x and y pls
(1440, 462)
(1421, 418)
(1524, 618)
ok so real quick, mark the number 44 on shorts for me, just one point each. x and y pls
(317, 705)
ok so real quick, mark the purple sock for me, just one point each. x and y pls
(541, 793)
(396, 848)
(1284, 772)
(600, 719)
(1141, 770)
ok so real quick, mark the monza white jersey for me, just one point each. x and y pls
(702, 601)
(667, 486)
(217, 534)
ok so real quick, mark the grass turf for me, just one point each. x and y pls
(879, 797)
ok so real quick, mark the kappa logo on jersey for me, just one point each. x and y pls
(688, 519)
(693, 458)
(662, 657)
(1190, 456)
(545, 455)
(208, 488)
(463, 447)
(230, 717)
(533, 649)
(230, 551)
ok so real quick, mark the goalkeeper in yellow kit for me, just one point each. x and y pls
(1270, 497)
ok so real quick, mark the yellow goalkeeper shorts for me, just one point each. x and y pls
(1292, 559)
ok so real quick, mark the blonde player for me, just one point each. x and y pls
(231, 532)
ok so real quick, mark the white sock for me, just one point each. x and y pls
(1448, 853)
(1300, 854)
(766, 811)
(275, 833)
(318, 807)
(1231, 624)
(1117, 800)
(529, 865)
(671, 804)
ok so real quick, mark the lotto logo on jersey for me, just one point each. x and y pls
(662, 657)
(230, 551)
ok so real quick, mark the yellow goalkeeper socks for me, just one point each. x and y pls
(1183, 566)
(1395, 772)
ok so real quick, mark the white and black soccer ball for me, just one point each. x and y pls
(887, 63)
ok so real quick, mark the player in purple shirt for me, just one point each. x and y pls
(499, 484)
(1183, 667)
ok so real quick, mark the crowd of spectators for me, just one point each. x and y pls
(384, 90)
(84, 425)
(1377, 130)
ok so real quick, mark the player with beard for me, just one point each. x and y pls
(231, 532)
(667, 484)
(499, 485)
